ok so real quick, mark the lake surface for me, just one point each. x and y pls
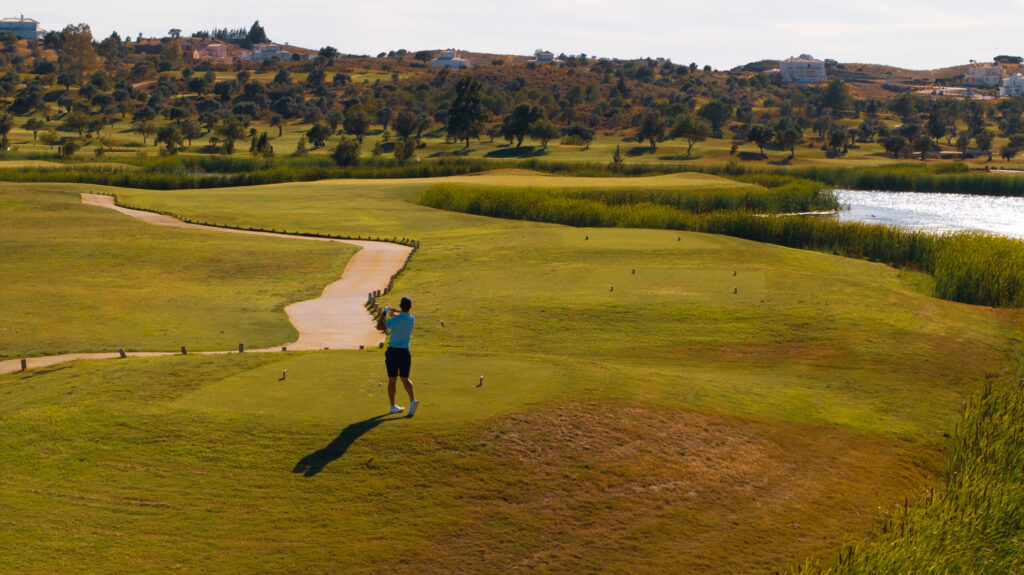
(935, 212)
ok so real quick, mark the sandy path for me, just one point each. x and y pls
(335, 320)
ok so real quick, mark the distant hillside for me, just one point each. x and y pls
(879, 81)
(759, 66)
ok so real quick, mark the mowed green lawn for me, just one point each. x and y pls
(652, 401)
(78, 278)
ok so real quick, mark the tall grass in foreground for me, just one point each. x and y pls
(968, 267)
(974, 523)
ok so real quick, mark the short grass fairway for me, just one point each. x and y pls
(652, 402)
(80, 278)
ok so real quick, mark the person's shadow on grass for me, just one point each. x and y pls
(314, 463)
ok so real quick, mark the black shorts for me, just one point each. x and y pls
(398, 361)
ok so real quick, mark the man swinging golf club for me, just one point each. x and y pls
(397, 358)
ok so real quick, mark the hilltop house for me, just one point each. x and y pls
(261, 52)
(22, 27)
(543, 57)
(1012, 86)
(984, 75)
(449, 59)
(802, 71)
(211, 53)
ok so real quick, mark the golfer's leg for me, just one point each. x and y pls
(408, 388)
(392, 381)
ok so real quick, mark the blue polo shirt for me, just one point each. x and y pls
(401, 329)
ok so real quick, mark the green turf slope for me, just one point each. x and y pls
(79, 278)
(729, 407)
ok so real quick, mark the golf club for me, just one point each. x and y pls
(430, 318)
(387, 310)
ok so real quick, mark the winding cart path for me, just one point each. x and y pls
(335, 320)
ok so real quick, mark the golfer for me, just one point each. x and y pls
(397, 358)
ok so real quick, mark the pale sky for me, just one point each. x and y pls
(917, 34)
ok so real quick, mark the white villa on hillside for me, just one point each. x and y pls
(261, 52)
(802, 71)
(449, 59)
(984, 75)
(22, 27)
(543, 57)
(1012, 86)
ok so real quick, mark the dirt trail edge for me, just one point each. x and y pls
(335, 320)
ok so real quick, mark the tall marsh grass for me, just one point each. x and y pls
(789, 195)
(974, 521)
(216, 172)
(205, 171)
(941, 178)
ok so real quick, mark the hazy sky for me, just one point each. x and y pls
(918, 34)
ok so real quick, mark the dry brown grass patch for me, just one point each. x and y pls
(611, 488)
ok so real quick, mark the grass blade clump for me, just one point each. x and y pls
(973, 524)
(978, 267)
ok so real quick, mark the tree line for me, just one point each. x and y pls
(91, 84)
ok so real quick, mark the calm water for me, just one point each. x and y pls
(935, 212)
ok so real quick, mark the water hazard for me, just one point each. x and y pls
(935, 212)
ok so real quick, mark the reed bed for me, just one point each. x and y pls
(173, 172)
(954, 178)
(790, 195)
(193, 172)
